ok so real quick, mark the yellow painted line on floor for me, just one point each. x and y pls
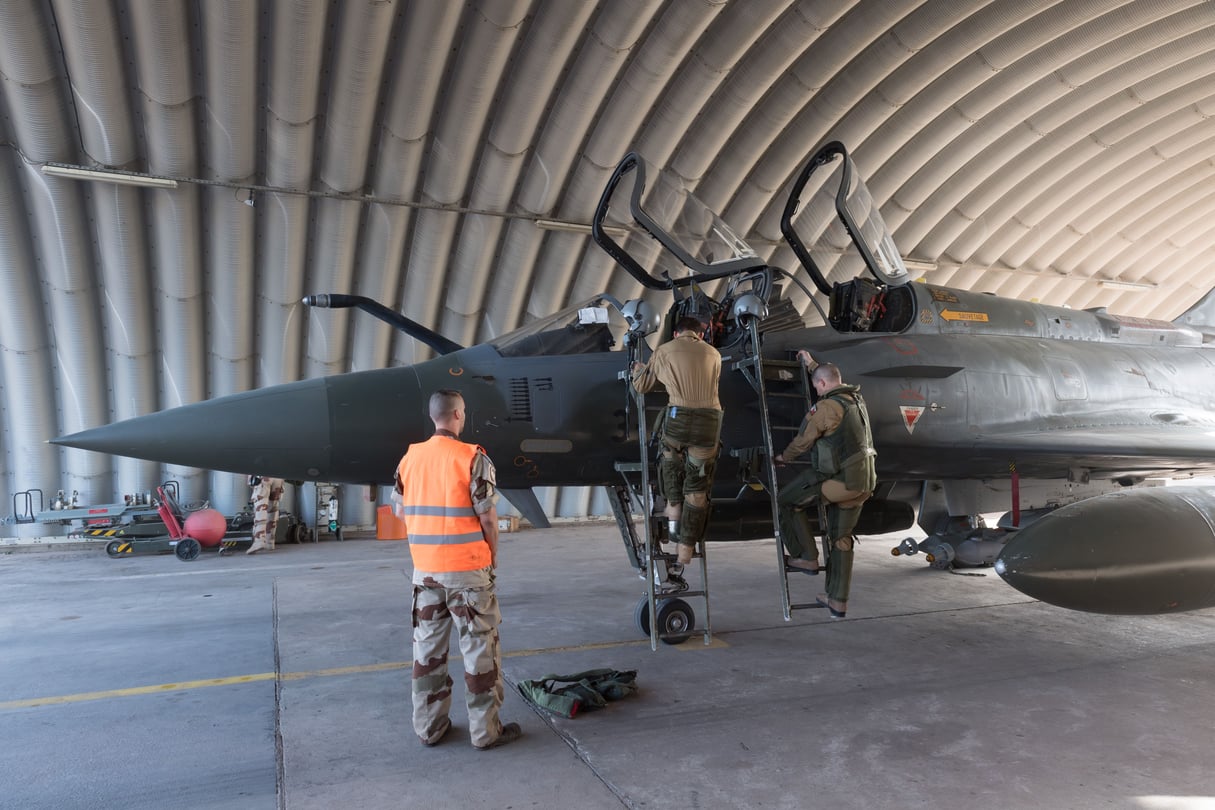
(137, 690)
(694, 643)
(327, 673)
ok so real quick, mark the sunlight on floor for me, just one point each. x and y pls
(1176, 802)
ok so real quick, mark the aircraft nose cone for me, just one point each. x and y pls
(346, 428)
(282, 430)
(1141, 551)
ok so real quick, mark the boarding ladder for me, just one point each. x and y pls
(675, 619)
(773, 380)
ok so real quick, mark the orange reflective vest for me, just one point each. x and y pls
(444, 530)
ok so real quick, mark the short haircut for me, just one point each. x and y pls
(828, 373)
(443, 403)
(689, 324)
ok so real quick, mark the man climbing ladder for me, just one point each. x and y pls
(841, 476)
(690, 370)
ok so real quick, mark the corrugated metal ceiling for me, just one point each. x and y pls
(404, 150)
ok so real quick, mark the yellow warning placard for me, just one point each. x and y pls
(957, 315)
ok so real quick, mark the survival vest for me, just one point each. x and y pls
(444, 530)
(847, 453)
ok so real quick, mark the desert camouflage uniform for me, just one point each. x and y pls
(266, 495)
(467, 600)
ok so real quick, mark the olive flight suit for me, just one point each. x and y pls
(841, 474)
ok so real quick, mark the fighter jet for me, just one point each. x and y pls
(979, 404)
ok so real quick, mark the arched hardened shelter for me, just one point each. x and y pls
(174, 181)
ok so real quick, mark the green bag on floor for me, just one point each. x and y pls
(567, 695)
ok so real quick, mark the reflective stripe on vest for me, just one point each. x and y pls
(444, 530)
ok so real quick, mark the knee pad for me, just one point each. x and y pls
(699, 472)
(693, 523)
(671, 475)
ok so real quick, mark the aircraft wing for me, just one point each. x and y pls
(1060, 452)
(1106, 450)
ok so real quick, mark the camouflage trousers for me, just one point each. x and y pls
(687, 464)
(265, 513)
(465, 599)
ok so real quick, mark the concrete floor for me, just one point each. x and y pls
(282, 680)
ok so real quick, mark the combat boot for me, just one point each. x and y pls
(801, 566)
(835, 607)
(510, 732)
(674, 581)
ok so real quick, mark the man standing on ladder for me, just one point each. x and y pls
(690, 370)
(841, 474)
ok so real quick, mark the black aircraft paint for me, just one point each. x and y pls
(978, 403)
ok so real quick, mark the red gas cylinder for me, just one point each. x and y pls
(207, 526)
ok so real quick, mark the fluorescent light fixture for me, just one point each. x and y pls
(121, 178)
(1136, 286)
(919, 265)
(559, 225)
(577, 227)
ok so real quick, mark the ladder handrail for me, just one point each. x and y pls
(758, 382)
(774, 487)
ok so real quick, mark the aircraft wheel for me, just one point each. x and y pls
(114, 548)
(296, 534)
(674, 617)
(641, 615)
(187, 549)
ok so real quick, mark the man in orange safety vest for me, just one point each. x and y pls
(449, 502)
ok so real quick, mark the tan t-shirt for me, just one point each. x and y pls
(688, 368)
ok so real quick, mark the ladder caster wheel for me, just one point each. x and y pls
(187, 549)
(675, 616)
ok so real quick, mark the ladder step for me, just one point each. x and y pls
(666, 595)
(628, 466)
